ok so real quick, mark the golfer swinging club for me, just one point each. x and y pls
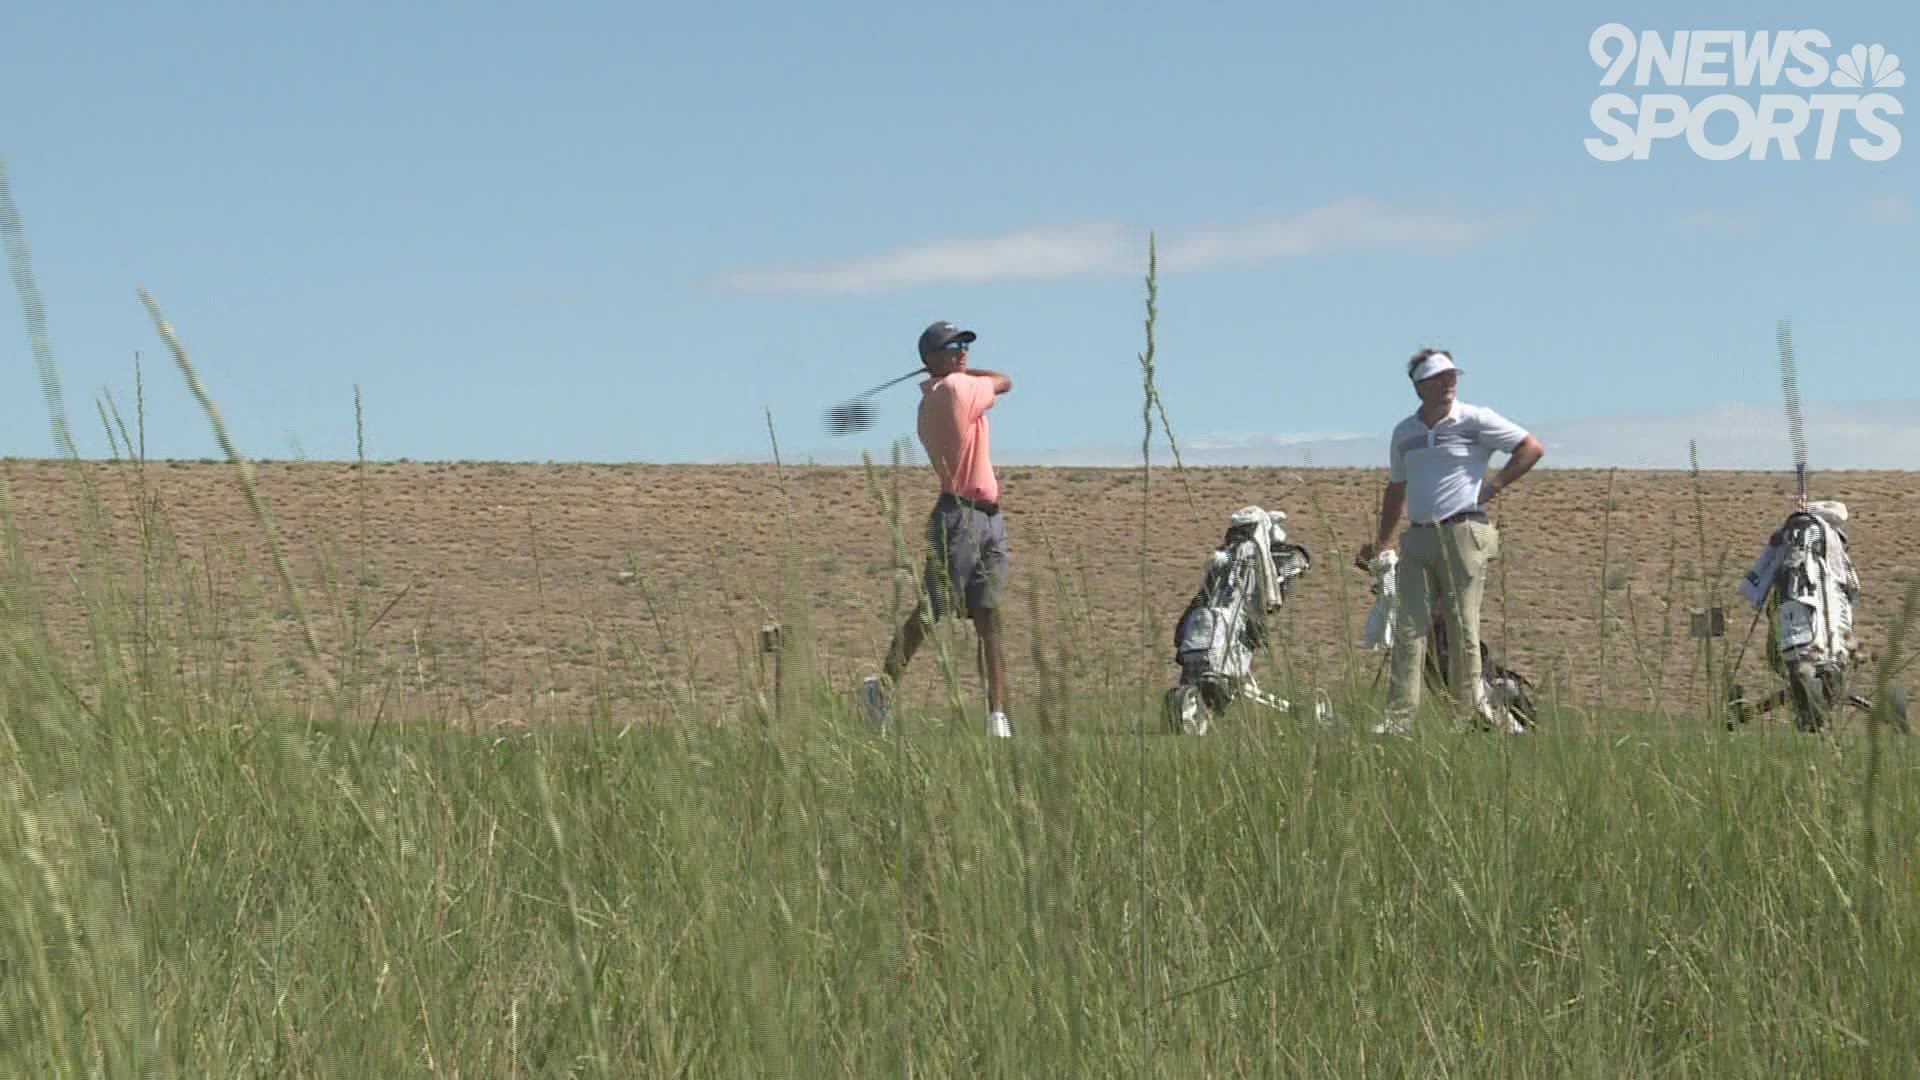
(966, 534)
(1437, 474)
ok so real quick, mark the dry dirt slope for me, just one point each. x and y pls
(646, 583)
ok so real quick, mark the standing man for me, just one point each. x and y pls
(966, 568)
(1437, 474)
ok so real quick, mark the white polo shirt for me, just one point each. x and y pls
(1443, 465)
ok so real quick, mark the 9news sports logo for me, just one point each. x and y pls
(1809, 95)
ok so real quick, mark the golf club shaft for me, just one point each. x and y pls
(894, 382)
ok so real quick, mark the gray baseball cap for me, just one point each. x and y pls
(939, 334)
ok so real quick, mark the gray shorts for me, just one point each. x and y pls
(966, 557)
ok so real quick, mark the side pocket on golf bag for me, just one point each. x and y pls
(1197, 637)
(1508, 689)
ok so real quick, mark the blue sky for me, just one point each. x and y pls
(610, 232)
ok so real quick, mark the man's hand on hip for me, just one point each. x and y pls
(1524, 458)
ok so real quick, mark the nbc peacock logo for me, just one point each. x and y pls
(1869, 66)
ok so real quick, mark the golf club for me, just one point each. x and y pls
(857, 413)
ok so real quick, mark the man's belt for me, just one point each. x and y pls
(1464, 515)
(982, 505)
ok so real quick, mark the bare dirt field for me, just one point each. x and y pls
(512, 588)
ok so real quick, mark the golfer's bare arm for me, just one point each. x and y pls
(1393, 502)
(1001, 384)
(1524, 457)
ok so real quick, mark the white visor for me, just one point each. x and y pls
(1433, 365)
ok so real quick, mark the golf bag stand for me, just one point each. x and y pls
(1247, 577)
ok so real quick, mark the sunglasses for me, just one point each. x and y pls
(956, 346)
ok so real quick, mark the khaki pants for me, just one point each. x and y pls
(1445, 564)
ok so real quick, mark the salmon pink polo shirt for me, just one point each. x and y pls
(953, 429)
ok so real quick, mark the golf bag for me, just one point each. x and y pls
(1804, 583)
(1509, 693)
(1247, 577)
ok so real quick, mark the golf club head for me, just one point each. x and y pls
(858, 414)
(851, 416)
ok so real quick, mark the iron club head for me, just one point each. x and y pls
(857, 413)
(849, 417)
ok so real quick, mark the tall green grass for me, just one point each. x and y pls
(207, 873)
(739, 902)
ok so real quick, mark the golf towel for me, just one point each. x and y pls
(1386, 602)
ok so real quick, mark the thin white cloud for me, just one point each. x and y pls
(1048, 252)
(1891, 208)
(1335, 451)
(1244, 442)
(1888, 210)
(1839, 435)
(1723, 220)
(1345, 226)
(551, 298)
(1842, 435)
(1101, 247)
